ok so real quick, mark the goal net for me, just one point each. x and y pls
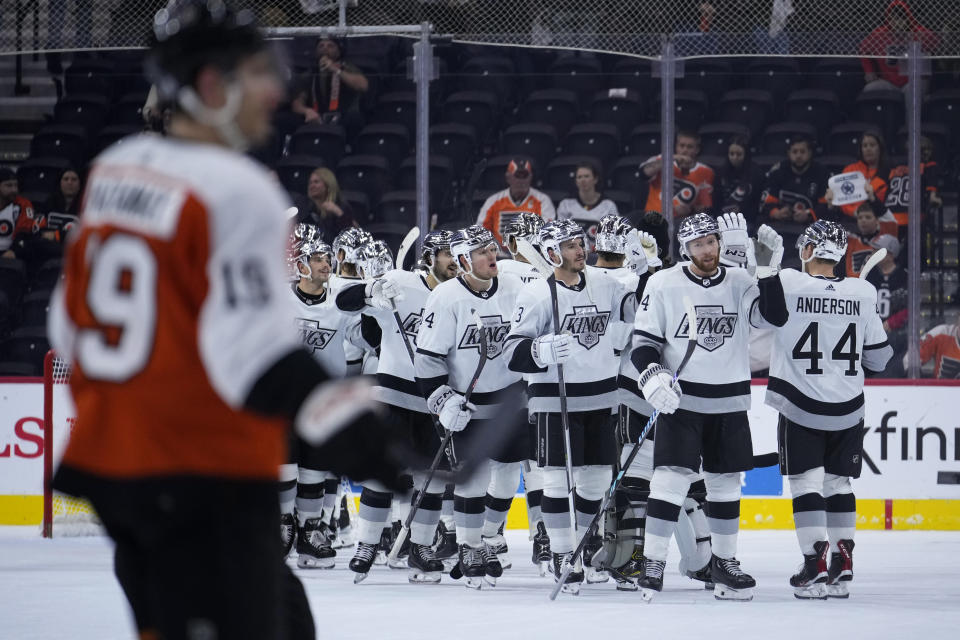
(63, 515)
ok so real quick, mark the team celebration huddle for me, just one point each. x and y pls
(618, 392)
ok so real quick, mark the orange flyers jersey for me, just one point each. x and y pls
(499, 209)
(859, 247)
(174, 290)
(18, 217)
(877, 182)
(943, 343)
(694, 187)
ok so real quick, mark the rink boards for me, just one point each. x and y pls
(910, 477)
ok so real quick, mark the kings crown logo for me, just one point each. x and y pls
(313, 335)
(714, 326)
(587, 324)
(496, 330)
(411, 325)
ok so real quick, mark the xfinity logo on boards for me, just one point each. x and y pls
(907, 443)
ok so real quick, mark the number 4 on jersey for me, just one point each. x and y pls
(808, 348)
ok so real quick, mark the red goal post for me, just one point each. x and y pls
(63, 515)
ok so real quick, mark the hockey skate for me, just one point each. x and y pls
(810, 582)
(575, 577)
(841, 570)
(731, 583)
(445, 546)
(594, 574)
(541, 549)
(313, 547)
(288, 532)
(627, 575)
(470, 565)
(498, 545)
(492, 567)
(423, 564)
(651, 582)
(362, 561)
(700, 575)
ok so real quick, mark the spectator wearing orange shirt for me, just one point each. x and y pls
(20, 224)
(873, 165)
(692, 181)
(862, 244)
(503, 206)
(942, 344)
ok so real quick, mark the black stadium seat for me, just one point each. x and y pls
(556, 107)
(844, 139)
(537, 141)
(817, 107)
(34, 307)
(28, 345)
(561, 172)
(776, 138)
(392, 141)
(751, 108)
(397, 208)
(644, 141)
(87, 111)
(601, 141)
(478, 109)
(442, 178)
(13, 279)
(398, 107)
(583, 76)
(716, 137)
(369, 174)
(943, 107)
(884, 110)
(294, 172)
(622, 108)
(67, 141)
(42, 173)
(456, 142)
(319, 140)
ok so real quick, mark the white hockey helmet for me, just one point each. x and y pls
(829, 241)
(525, 225)
(468, 240)
(433, 243)
(350, 241)
(699, 225)
(375, 259)
(612, 234)
(305, 250)
(555, 233)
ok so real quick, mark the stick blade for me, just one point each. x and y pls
(405, 245)
(872, 261)
(691, 312)
(533, 256)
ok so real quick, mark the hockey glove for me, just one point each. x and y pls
(649, 244)
(659, 389)
(734, 242)
(636, 256)
(768, 252)
(341, 422)
(382, 294)
(451, 407)
(552, 349)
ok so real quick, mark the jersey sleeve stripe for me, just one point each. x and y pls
(574, 389)
(800, 400)
(430, 354)
(879, 345)
(649, 336)
(704, 390)
(398, 384)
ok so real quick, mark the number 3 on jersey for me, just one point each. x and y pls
(122, 298)
(808, 348)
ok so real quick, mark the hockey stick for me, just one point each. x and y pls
(872, 261)
(405, 245)
(405, 529)
(595, 523)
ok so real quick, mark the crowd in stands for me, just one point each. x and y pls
(579, 140)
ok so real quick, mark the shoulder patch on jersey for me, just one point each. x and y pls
(411, 324)
(714, 326)
(587, 324)
(496, 329)
(314, 337)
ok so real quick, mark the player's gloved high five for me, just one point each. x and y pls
(552, 349)
(641, 251)
(452, 408)
(734, 241)
(659, 389)
(766, 253)
(383, 294)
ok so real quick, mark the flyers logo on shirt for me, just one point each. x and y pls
(714, 326)
(587, 324)
(496, 330)
(314, 336)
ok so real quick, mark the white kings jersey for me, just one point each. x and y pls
(717, 377)
(395, 375)
(834, 332)
(448, 344)
(587, 217)
(628, 391)
(332, 336)
(522, 270)
(586, 311)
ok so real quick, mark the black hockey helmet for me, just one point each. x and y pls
(188, 34)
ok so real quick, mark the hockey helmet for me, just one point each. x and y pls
(468, 240)
(433, 243)
(555, 233)
(190, 34)
(612, 234)
(304, 252)
(696, 226)
(525, 225)
(829, 241)
(375, 259)
(350, 241)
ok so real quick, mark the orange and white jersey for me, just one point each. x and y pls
(694, 187)
(859, 248)
(943, 343)
(174, 304)
(500, 209)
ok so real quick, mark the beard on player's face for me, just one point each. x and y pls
(444, 266)
(704, 254)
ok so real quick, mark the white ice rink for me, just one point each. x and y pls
(906, 587)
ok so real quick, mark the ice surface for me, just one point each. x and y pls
(905, 587)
